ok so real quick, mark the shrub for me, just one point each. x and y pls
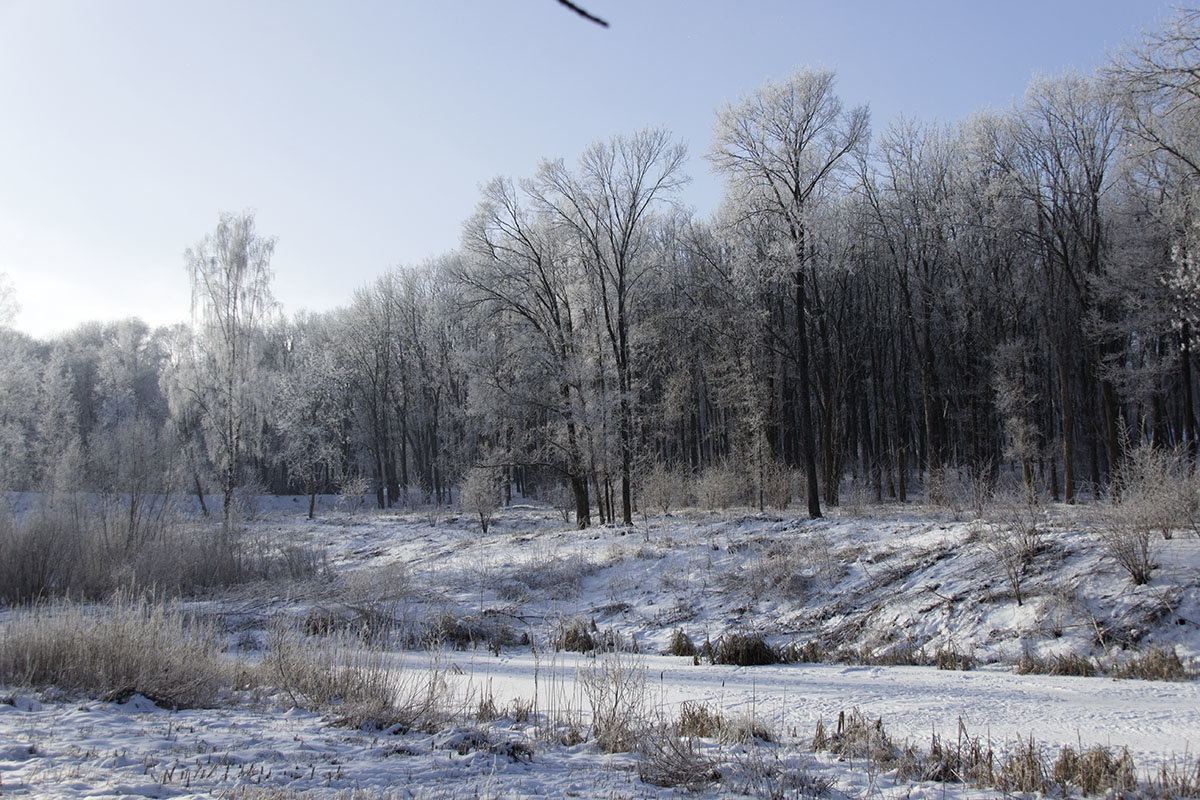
(1126, 538)
(681, 644)
(664, 488)
(743, 650)
(719, 487)
(668, 761)
(481, 494)
(616, 692)
(1154, 491)
(1013, 537)
(573, 635)
(137, 645)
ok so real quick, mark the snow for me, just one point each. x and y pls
(916, 581)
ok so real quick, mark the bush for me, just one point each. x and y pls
(669, 761)
(135, 646)
(681, 644)
(663, 489)
(616, 691)
(743, 650)
(573, 635)
(480, 494)
(719, 487)
(1013, 537)
(1154, 491)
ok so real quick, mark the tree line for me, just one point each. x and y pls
(1010, 297)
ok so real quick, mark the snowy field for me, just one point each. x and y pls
(873, 593)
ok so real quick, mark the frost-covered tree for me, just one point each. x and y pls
(606, 206)
(779, 149)
(8, 302)
(312, 409)
(523, 282)
(230, 271)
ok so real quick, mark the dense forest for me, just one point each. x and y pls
(917, 308)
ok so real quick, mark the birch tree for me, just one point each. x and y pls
(230, 271)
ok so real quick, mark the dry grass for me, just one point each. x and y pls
(743, 650)
(699, 721)
(354, 684)
(135, 645)
(1023, 768)
(1068, 664)
(68, 549)
(681, 644)
(573, 635)
(1095, 770)
(1155, 664)
(856, 736)
(1180, 778)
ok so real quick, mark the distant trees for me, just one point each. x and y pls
(1012, 298)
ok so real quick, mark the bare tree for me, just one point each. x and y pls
(607, 206)
(521, 277)
(230, 271)
(779, 148)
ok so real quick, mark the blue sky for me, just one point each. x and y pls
(359, 131)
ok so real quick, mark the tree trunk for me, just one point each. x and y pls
(806, 420)
(1189, 418)
(1067, 421)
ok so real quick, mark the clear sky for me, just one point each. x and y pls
(359, 131)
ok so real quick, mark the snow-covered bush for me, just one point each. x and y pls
(1160, 487)
(1154, 492)
(720, 487)
(663, 488)
(779, 483)
(950, 488)
(353, 492)
(1012, 536)
(481, 494)
(669, 760)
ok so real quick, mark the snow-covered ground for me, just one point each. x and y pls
(884, 587)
